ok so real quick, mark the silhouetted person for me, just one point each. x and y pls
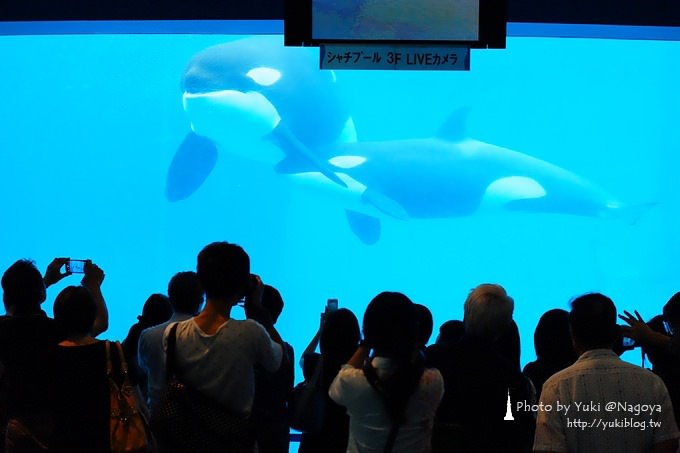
(477, 379)
(508, 345)
(218, 354)
(273, 390)
(450, 332)
(424, 323)
(661, 343)
(79, 384)
(27, 337)
(390, 396)
(185, 296)
(338, 337)
(598, 380)
(156, 310)
(3, 403)
(553, 346)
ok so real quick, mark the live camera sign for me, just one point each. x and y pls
(428, 58)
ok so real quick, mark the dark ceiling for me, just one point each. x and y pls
(625, 12)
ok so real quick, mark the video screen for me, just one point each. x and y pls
(452, 20)
(548, 168)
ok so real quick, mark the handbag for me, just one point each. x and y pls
(308, 403)
(129, 426)
(188, 421)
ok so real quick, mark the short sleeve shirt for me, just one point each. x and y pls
(369, 423)
(221, 365)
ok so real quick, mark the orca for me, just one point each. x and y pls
(250, 90)
(453, 175)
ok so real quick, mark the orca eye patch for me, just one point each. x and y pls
(264, 76)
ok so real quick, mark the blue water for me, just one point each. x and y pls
(90, 124)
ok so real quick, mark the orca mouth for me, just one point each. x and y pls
(197, 92)
(249, 112)
(210, 89)
(249, 101)
(202, 84)
(212, 93)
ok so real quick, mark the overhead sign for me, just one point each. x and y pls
(386, 57)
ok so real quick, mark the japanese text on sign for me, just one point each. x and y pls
(394, 57)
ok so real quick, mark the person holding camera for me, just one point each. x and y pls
(216, 355)
(390, 396)
(27, 338)
(337, 339)
(602, 391)
(661, 345)
(273, 390)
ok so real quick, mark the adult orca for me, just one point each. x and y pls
(452, 175)
(238, 93)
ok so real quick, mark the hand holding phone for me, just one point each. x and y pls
(331, 305)
(54, 272)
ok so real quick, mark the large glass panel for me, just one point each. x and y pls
(550, 168)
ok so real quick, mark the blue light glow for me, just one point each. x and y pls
(91, 122)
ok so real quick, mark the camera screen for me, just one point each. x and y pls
(75, 266)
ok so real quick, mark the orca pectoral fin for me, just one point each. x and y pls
(194, 160)
(385, 204)
(365, 227)
(299, 157)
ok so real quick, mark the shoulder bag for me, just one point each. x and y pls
(308, 403)
(191, 422)
(129, 426)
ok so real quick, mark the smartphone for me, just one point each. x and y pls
(75, 266)
(332, 304)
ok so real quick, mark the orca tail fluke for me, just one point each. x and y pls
(194, 160)
(365, 227)
(632, 214)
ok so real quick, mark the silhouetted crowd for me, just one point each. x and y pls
(205, 382)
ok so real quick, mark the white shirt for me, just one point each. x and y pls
(221, 365)
(369, 423)
(614, 406)
(151, 357)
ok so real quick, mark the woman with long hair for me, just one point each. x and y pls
(390, 396)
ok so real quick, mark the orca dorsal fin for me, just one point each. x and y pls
(453, 129)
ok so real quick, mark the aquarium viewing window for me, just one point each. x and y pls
(549, 168)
